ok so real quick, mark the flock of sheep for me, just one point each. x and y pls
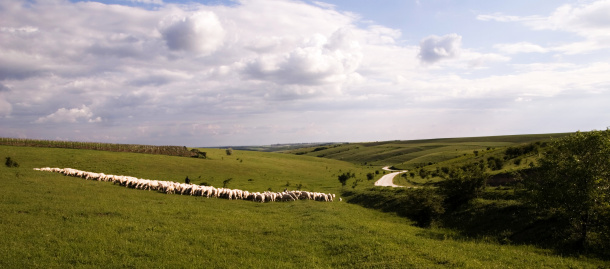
(192, 189)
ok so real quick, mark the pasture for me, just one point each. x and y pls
(50, 220)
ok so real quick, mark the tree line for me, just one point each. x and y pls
(134, 148)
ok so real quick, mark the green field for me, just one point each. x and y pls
(52, 221)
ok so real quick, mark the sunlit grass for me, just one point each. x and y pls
(49, 220)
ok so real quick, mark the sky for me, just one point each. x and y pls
(260, 72)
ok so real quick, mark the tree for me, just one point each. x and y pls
(229, 151)
(463, 184)
(572, 183)
(344, 177)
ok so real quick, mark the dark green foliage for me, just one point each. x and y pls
(229, 151)
(423, 173)
(370, 176)
(344, 177)
(148, 149)
(463, 184)
(199, 154)
(494, 163)
(572, 184)
(423, 206)
(10, 163)
(513, 152)
(319, 149)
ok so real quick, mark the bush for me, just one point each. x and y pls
(463, 184)
(424, 206)
(10, 163)
(494, 163)
(344, 177)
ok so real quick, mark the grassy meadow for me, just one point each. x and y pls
(52, 221)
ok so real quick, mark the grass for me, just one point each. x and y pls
(413, 153)
(49, 220)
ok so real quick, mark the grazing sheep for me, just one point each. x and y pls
(170, 187)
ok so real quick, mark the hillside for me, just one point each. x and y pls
(50, 220)
(413, 153)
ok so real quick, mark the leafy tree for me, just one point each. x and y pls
(229, 151)
(572, 183)
(344, 177)
(370, 176)
(463, 184)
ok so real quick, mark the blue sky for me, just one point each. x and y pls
(211, 73)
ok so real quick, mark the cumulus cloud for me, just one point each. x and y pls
(72, 115)
(520, 47)
(218, 67)
(200, 32)
(318, 60)
(436, 48)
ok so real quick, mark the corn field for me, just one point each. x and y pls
(148, 149)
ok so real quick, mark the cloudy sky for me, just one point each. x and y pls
(252, 72)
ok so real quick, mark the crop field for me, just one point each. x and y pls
(52, 221)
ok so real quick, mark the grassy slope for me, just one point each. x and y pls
(412, 153)
(48, 220)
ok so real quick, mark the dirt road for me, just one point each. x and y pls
(387, 180)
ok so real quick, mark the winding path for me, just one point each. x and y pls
(388, 180)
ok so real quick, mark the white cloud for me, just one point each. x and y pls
(589, 20)
(72, 115)
(19, 30)
(435, 48)
(520, 47)
(200, 32)
(318, 60)
(154, 2)
(259, 66)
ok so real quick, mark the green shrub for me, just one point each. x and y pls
(463, 184)
(10, 163)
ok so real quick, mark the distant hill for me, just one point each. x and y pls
(407, 154)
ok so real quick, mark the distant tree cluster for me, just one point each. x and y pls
(148, 149)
